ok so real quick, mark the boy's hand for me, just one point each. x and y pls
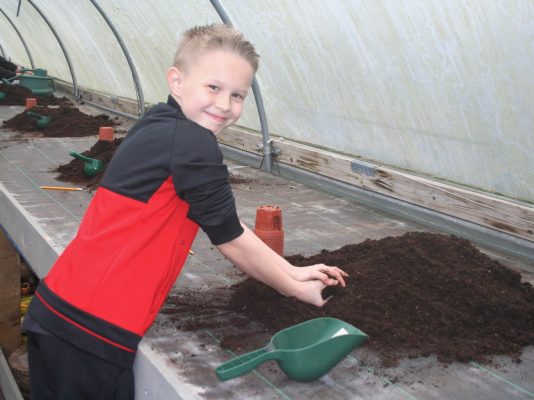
(311, 292)
(329, 276)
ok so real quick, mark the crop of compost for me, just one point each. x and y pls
(16, 96)
(67, 121)
(102, 150)
(416, 295)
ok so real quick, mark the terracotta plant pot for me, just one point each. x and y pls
(269, 227)
(106, 133)
(30, 102)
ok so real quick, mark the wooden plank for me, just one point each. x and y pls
(121, 104)
(9, 295)
(321, 162)
(504, 215)
(493, 212)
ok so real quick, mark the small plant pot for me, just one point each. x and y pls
(269, 227)
(30, 102)
(269, 218)
(273, 239)
(106, 133)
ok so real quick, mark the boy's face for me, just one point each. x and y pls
(212, 89)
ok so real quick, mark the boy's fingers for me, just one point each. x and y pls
(340, 271)
(335, 273)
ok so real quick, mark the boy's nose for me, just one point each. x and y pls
(223, 103)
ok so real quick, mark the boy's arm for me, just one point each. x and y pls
(254, 257)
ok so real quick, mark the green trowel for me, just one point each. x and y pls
(92, 166)
(42, 120)
(304, 352)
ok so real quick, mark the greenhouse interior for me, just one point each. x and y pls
(282, 199)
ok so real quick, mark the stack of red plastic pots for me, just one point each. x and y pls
(269, 227)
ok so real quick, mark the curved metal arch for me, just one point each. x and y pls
(139, 91)
(267, 160)
(65, 53)
(21, 38)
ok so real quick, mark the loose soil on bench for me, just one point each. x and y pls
(416, 295)
(73, 171)
(16, 96)
(67, 121)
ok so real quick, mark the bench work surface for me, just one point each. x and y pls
(181, 364)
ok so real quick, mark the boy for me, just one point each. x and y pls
(165, 180)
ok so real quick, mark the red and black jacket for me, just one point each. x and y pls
(165, 179)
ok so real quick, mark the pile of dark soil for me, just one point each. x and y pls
(67, 121)
(16, 96)
(73, 171)
(415, 295)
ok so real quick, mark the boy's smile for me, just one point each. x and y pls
(212, 89)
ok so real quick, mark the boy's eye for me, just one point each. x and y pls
(238, 96)
(213, 87)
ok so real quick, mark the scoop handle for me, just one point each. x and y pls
(34, 114)
(9, 81)
(244, 363)
(79, 156)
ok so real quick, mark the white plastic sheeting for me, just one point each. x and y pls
(440, 88)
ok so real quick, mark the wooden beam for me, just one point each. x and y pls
(488, 210)
(9, 295)
(493, 212)
(121, 104)
(295, 154)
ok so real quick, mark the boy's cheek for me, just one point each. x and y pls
(239, 111)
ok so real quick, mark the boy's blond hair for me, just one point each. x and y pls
(197, 40)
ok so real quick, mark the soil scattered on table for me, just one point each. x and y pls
(416, 295)
(73, 171)
(67, 121)
(238, 180)
(16, 96)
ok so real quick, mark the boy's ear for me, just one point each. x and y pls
(174, 80)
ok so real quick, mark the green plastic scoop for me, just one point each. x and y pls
(42, 120)
(304, 352)
(92, 166)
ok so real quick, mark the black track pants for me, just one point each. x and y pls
(60, 371)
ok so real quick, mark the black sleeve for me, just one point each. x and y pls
(5, 64)
(5, 73)
(201, 179)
